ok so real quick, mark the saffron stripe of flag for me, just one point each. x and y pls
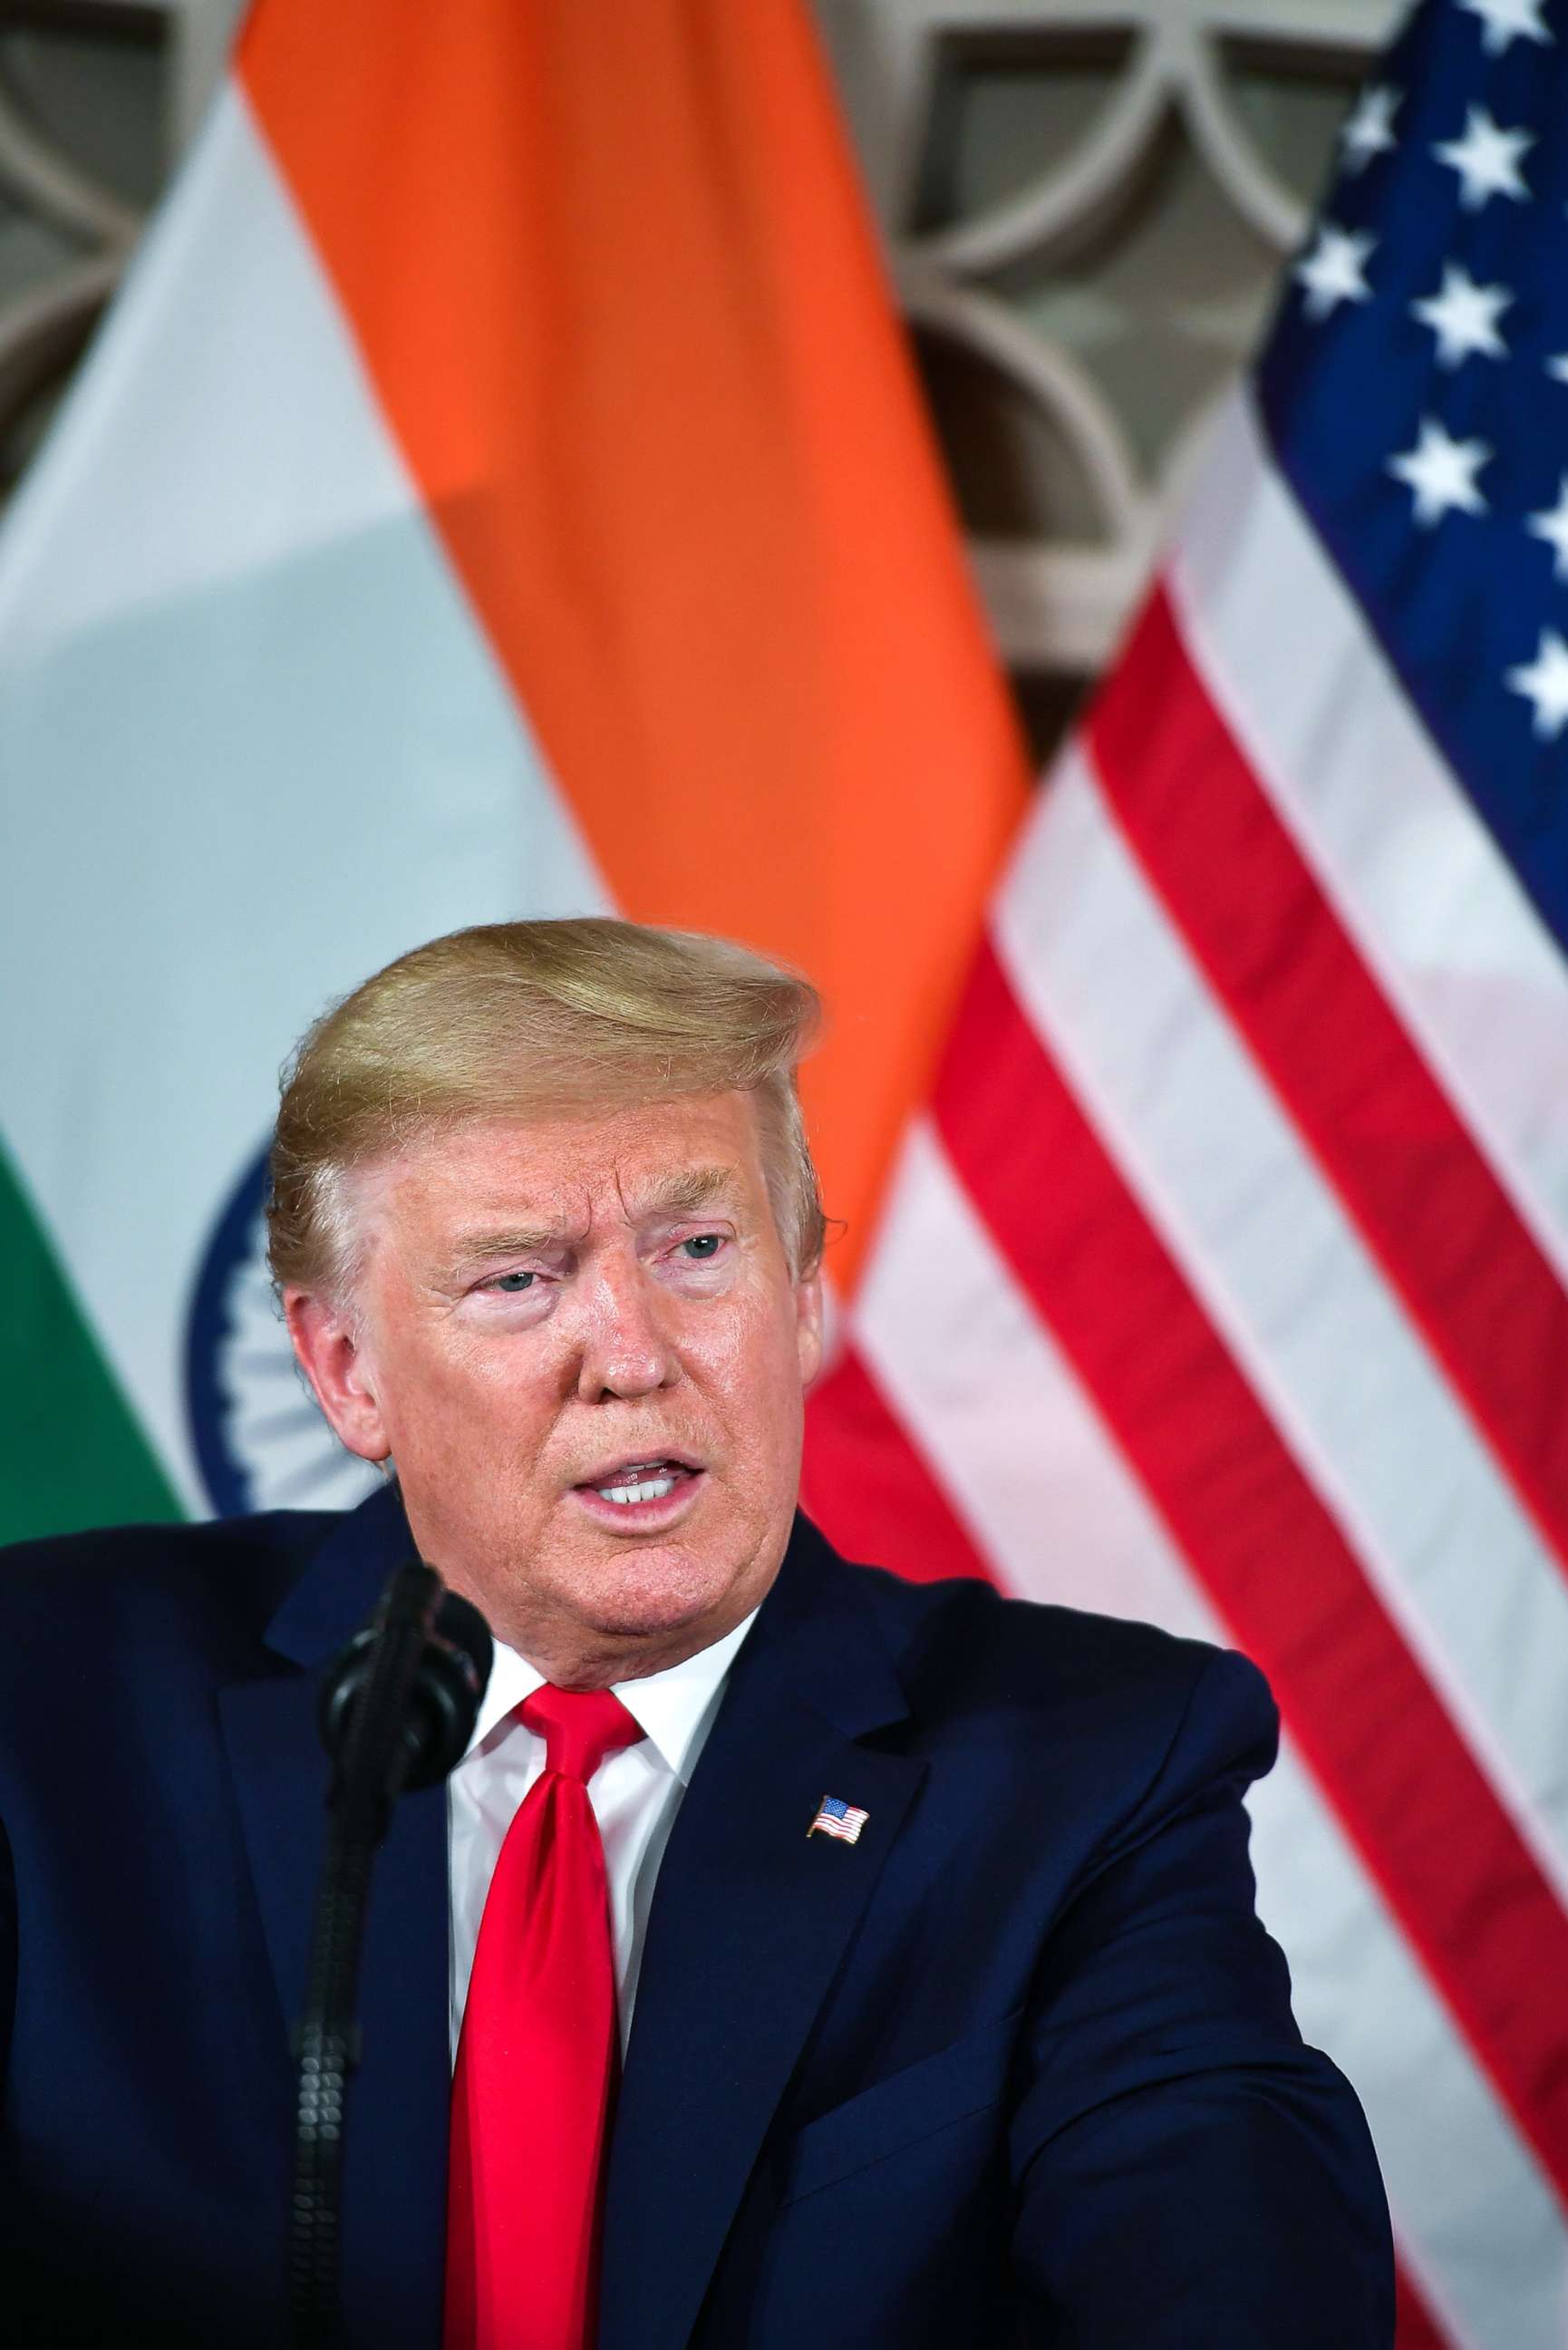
(681, 471)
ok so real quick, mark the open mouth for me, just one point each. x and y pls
(637, 1491)
(641, 1480)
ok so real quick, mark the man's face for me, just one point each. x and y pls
(582, 1344)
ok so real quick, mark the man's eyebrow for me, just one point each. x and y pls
(680, 1194)
(684, 1193)
(513, 1240)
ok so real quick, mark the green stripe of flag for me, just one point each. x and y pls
(71, 1453)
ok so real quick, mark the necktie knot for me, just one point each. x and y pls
(579, 1728)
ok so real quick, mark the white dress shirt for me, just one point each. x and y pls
(635, 1794)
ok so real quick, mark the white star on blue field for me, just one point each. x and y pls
(1414, 393)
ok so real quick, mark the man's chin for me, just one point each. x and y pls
(653, 1591)
(587, 1609)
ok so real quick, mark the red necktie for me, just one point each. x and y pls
(537, 2056)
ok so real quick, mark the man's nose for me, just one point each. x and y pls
(626, 1348)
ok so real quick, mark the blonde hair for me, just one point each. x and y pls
(514, 1019)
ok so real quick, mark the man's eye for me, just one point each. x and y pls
(703, 1245)
(512, 1282)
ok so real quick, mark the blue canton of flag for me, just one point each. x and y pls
(835, 1817)
(1415, 391)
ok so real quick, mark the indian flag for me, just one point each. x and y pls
(500, 490)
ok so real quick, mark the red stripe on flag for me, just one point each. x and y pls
(1415, 2327)
(1261, 1543)
(1400, 1158)
(871, 1491)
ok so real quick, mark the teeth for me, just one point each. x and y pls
(647, 1489)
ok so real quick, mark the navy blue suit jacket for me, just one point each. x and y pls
(1017, 2067)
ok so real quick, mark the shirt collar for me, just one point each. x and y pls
(673, 1708)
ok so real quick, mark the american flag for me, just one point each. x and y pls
(835, 1817)
(1223, 1281)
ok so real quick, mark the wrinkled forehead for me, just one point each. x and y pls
(546, 1177)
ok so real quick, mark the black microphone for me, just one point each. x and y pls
(396, 1710)
(436, 1691)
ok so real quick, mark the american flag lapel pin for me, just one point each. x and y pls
(835, 1817)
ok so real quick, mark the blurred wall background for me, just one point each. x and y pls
(1086, 207)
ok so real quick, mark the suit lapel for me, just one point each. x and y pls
(749, 1922)
(395, 2169)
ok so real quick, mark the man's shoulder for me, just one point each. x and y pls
(125, 1586)
(1032, 1672)
(173, 1551)
(966, 1624)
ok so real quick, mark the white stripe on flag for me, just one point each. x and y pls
(280, 847)
(1054, 1505)
(1401, 854)
(1016, 1434)
(1096, 966)
(1476, 2220)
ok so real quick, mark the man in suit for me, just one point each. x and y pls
(923, 1918)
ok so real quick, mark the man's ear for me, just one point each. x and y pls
(808, 1334)
(332, 1361)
